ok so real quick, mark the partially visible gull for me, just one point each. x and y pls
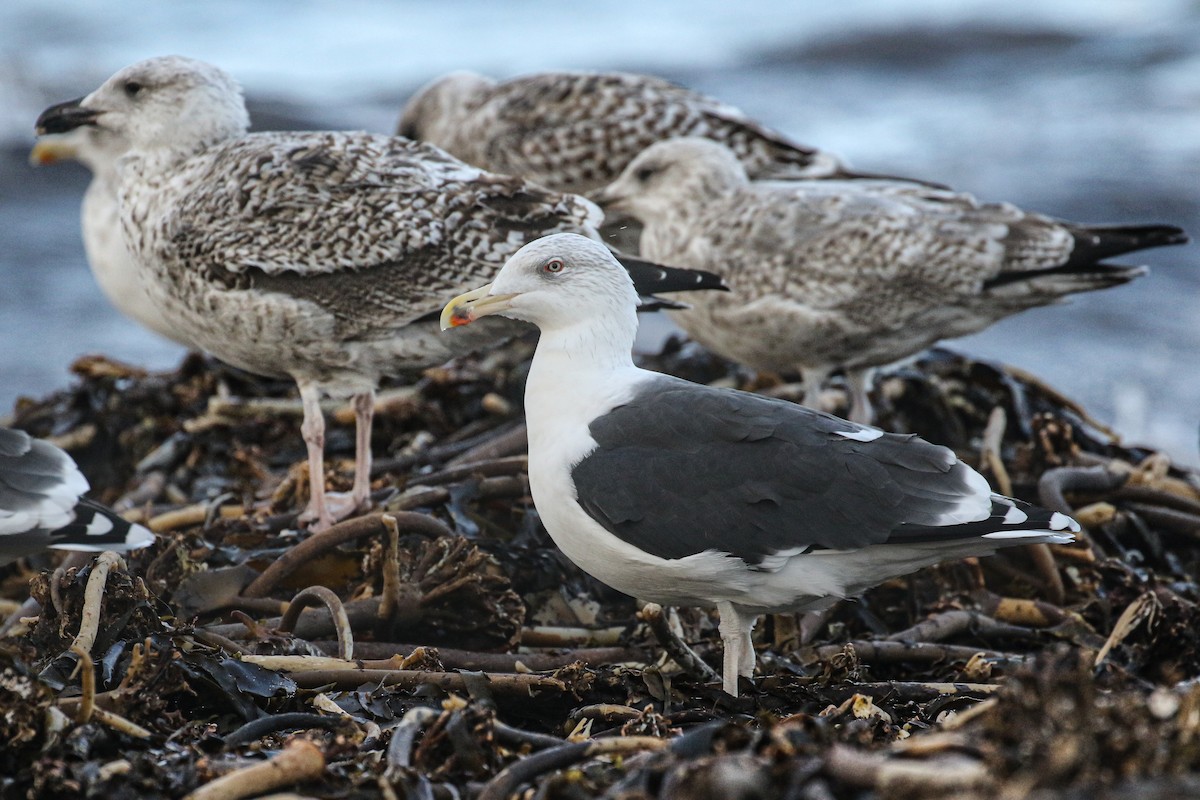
(853, 274)
(112, 265)
(42, 504)
(576, 131)
(685, 494)
(320, 256)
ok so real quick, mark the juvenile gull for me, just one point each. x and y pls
(42, 504)
(576, 131)
(680, 493)
(112, 265)
(853, 274)
(320, 256)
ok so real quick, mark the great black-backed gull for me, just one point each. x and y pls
(320, 256)
(42, 504)
(576, 131)
(685, 494)
(113, 266)
(853, 274)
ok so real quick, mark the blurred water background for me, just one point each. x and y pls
(1083, 109)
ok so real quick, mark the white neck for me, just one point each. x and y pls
(579, 370)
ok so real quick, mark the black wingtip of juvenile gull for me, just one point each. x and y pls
(650, 278)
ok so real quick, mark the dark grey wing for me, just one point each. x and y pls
(682, 468)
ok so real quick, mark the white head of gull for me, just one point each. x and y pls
(42, 504)
(684, 494)
(320, 256)
(113, 266)
(852, 274)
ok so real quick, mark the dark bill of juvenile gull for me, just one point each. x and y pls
(320, 256)
(684, 494)
(576, 131)
(42, 504)
(852, 275)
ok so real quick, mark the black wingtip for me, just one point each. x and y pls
(650, 278)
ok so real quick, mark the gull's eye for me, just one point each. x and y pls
(553, 266)
(132, 88)
(644, 174)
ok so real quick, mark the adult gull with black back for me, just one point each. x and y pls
(685, 494)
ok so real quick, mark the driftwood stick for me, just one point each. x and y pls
(889, 652)
(514, 440)
(317, 595)
(399, 752)
(348, 531)
(407, 679)
(530, 767)
(300, 761)
(897, 777)
(87, 685)
(93, 596)
(256, 729)
(511, 465)
(548, 636)
(676, 648)
(498, 662)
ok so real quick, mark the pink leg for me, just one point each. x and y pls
(364, 411)
(313, 429)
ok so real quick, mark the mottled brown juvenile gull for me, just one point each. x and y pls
(320, 256)
(576, 131)
(853, 274)
(685, 494)
(42, 504)
(113, 266)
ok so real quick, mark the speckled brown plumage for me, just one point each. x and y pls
(576, 131)
(852, 274)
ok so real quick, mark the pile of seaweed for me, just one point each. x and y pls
(441, 647)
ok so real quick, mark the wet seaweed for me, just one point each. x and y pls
(440, 646)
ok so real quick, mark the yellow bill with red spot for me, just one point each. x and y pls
(470, 306)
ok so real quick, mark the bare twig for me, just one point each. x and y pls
(528, 768)
(316, 595)
(499, 662)
(485, 469)
(896, 777)
(406, 679)
(93, 596)
(676, 648)
(300, 761)
(348, 531)
(87, 685)
(993, 438)
(273, 723)
(547, 636)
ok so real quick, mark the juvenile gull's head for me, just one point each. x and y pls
(169, 102)
(671, 174)
(436, 111)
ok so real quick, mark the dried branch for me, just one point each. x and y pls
(348, 531)
(316, 595)
(300, 761)
(93, 596)
(530, 767)
(676, 648)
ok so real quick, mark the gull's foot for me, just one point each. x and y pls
(338, 506)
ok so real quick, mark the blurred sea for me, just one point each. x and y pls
(1083, 109)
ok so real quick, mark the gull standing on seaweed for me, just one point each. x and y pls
(42, 504)
(320, 256)
(829, 275)
(684, 494)
(576, 131)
